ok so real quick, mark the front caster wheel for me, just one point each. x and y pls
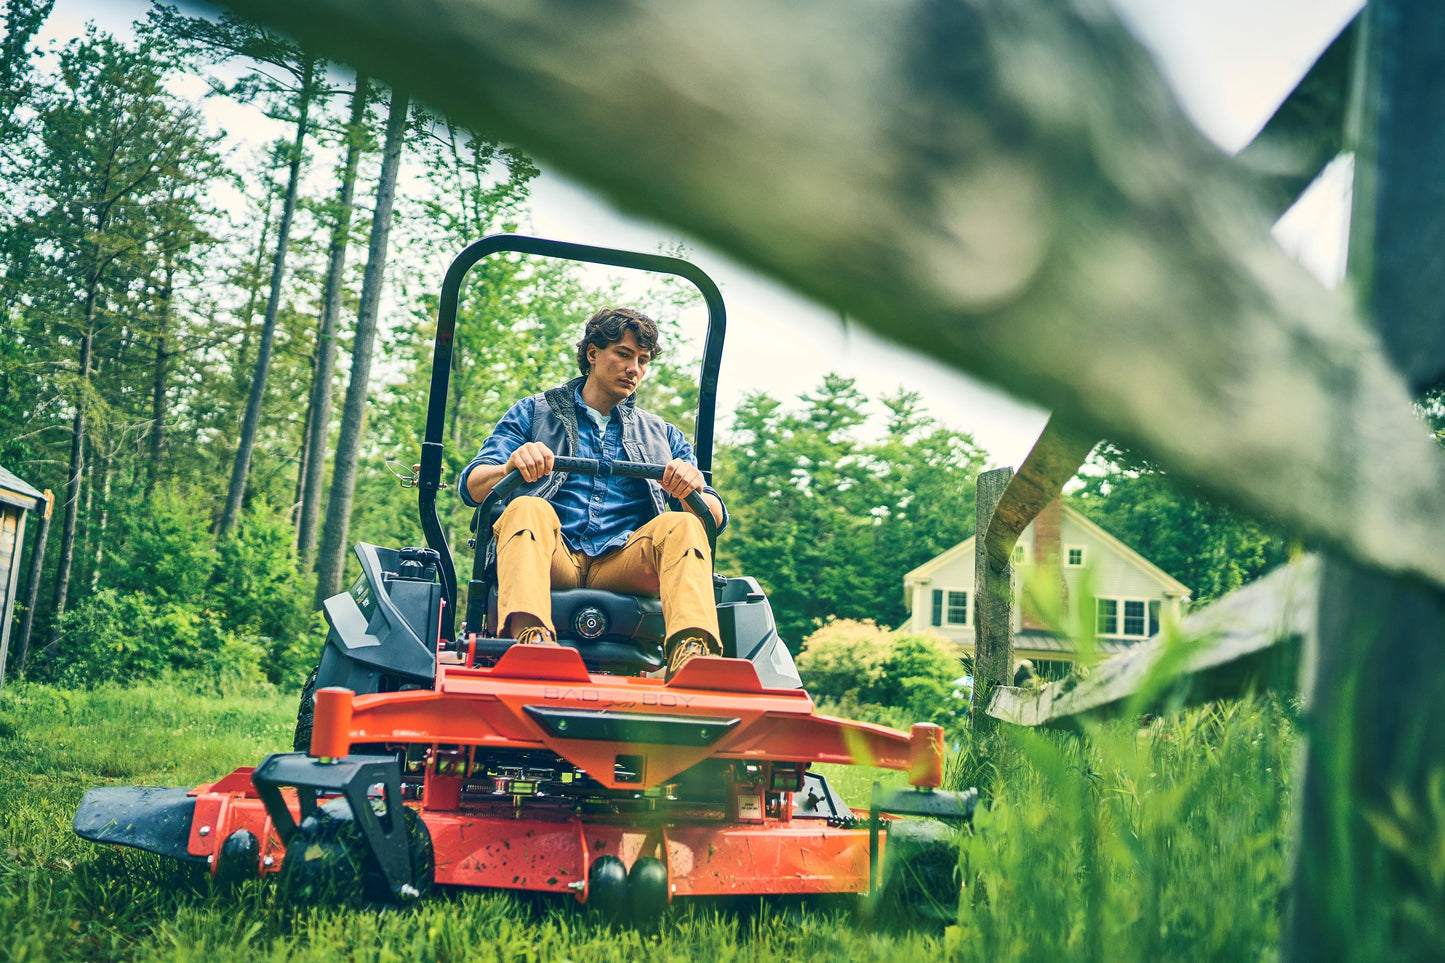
(922, 880)
(328, 861)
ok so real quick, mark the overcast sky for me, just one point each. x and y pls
(1229, 61)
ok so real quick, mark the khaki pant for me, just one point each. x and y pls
(667, 557)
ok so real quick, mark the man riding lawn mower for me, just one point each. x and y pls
(604, 532)
(645, 748)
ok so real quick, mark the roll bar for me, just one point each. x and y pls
(429, 482)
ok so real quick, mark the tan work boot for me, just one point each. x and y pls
(683, 649)
(536, 635)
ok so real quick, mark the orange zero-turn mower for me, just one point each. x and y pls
(430, 755)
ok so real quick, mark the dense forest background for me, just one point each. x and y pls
(193, 358)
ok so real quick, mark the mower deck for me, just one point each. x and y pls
(533, 769)
(542, 854)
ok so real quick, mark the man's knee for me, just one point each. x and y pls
(685, 523)
(679, 536)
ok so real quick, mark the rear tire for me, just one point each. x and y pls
(305, 713)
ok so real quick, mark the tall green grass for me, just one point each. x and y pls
(1119, 843)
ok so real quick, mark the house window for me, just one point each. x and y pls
(957, 608)
(1075, 556)
(1106, 620)
(1021, 554)
(1129, 618)
(1133, 617)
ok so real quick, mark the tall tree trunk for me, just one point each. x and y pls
(160, 379)
(77, 467)
(320, 412)
(85, 514)
(32, 586)
(101, 463)
(248, 316)
(332, 563)
(303, 457)
(252, 418)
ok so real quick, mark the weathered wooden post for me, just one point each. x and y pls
(17, 501)
(993, 597)
(1375, 684)
(32, 584)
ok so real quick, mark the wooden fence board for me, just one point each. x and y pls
(1249, 638)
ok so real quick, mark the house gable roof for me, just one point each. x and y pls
(1171, 585)
(937, 562)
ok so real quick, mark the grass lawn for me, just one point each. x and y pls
(1121, 844)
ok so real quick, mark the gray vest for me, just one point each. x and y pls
(554, 424)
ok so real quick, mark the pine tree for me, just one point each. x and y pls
(319, 410)
(224, 38)
(348, 447)
(112, 136)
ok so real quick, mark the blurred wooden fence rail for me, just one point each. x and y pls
(1009, 187)
(1250, 640)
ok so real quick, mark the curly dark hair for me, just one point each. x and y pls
(608, 326)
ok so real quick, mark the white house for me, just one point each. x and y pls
(1132, 596)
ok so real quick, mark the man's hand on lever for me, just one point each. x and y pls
(680, 479)
(533, 460)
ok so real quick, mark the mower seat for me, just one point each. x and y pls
(612, 632)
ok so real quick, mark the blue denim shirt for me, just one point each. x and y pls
(597, 513)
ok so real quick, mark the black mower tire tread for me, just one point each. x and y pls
(305, 713)
(327, 861)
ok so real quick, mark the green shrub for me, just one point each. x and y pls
(843, 659)
(256, 579)
(860, 668)
(918, 675)
(174, 601)
(114, 636)
(258, 585)
(164, 546)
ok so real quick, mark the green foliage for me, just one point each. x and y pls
(829, 523)
(174, 601)
(1166, 842)
(843, 659)
(167, 547)
(918, 675)
(22, 19)
(115, 637)
(255, 579)
(888, 677)
(1431, 410)
(1206, 546)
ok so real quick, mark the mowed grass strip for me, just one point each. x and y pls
(1120, 843)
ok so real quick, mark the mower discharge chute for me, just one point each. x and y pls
(427, 755)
